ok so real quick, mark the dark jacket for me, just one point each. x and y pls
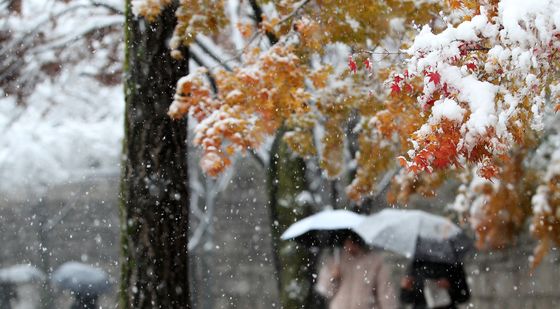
(85, 301)
(421, 270)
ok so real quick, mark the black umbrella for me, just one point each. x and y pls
(451, 250)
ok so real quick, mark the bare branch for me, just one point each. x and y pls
(65, 41)
(385, 181)
(259, 18)
(111, 8)
(212, 55)
(25, 42)
(201, 63)
(294, 12)
(258, 158)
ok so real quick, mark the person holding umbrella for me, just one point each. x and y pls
(11, 276)
(356, 278)
(436, 278)
(434, 285)
(84, 281)
(8, 293)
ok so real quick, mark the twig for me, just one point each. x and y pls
(211, 78)
(211, 54)
(259, 17)
(294, 12)
(386, 52)
(258, 158)
(107, 6)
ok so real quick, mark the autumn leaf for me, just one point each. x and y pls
(454, 4)
(471, 66)
(434, 77)
(488, 170)
(367, 63)
(395, 89)
(402, 161)
(445, 90)
(352, 64)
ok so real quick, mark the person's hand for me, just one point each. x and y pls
(407, 282)
(336, 274)
(443, 284)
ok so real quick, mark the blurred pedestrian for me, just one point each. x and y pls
(434, 285)
(85, 301)
(8, 293)
(356, 278)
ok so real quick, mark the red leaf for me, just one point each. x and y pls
(352, 64)
(434, 77)
(397, 79)
(367, 63)
(445, 89)
(395, 88)
(463, 49)
(422, 161)
(471, 66)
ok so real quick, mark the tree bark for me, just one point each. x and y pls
(294, 264)
(154, 186)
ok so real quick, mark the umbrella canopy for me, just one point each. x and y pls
(21, 273)
(415, 233)
(322, 228)
(81, 278)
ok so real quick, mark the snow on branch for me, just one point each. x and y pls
(487, 78)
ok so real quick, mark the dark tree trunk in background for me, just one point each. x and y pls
(155, 195)
(294, 264)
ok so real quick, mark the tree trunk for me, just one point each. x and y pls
(294, 264)
(154, 187)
